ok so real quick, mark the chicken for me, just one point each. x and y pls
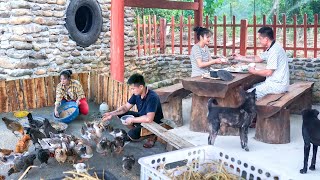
(104, 146)
(127, 163)
(21, 164)
(34, 123)
(61, 155)
(99, 128)
(9, 159)
(120, 133)
(83, 150)
(80, 167)
(50, 143)
(86, 133)
(5, 151)
(23, 144)
(35, 135)
(118, 144)
(48, 128)
(13, 126)
(43, 156)
(2, 177)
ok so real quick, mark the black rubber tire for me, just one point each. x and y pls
(93, 29)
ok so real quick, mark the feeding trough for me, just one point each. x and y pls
(68, 111)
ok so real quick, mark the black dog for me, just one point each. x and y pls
(240, 117)
(311, 135)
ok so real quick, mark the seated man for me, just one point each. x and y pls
(149, 109)
(277, 69)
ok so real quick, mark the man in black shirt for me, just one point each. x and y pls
(149, 109)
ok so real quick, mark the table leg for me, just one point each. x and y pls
(199, 113)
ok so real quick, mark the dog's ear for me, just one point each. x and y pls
(254, 91)
(212, 102)
(315, 112)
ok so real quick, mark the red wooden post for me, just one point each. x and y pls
(243, 37)
(315, 37)
(172, 34)
(155, 33)
(305, 19)
(233, 34)
(254, 34)
(117, 40)
(144, 35)
(284, 27)
(150, 34)
(163, 27)
(198, 17)
(295, 35)
(224, 35)
(264, 20)
(275, 26)
(138, 29)
(189, 35)
(181, 33)
(215, 35)
(207, 21)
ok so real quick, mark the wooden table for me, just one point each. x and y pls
(227, 93)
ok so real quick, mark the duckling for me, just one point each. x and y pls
(128, 162)
(83, 150)
(60, 155)
(80, 167)
(119, 143)
(120, 133)
(104, 146)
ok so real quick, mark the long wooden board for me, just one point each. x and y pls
(50, 92)
(40, 92)
(110, 93)
(19, 87)
(29, 93)
(105, 87)
(169, 137)
(12, 95)
(4, 104)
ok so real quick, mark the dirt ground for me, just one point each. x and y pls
(111, 163)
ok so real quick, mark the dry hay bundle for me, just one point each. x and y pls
(210, 171)
(80, 176)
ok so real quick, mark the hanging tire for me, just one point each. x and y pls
(84, 21)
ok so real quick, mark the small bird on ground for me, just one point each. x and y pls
(9, 159)
(80, 167)
(22, 163)
(13, 126)
(60, 155)
(23, 144)
(35, 135)
(48, 128)
(128, 162)
(34, 123)
(104, 146)
(43, 156)
(5, 151)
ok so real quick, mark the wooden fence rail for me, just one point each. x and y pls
(153, 36)
(25, 94)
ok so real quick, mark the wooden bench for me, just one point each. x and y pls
(171, 102)
(167, 136)
(273, 120)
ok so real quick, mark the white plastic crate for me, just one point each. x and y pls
(152, 166)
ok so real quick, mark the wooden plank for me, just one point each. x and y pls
(93, 85)
(4, 102)
(110, 92)
(144, 35)
(295, 35)
(181, 33)
(120, 99)
(168, 92)
(83, 79)
(150, 34)
(172, 34)
(105, 88)
(215, 35)
(254, 35)
(100, 89)
(155, 33)
(138, 30)
(167, 136)
(274, 26)
(305, 21)
(146, 132)
(12, 96)
(124, 94)
(75, 76)
(115, 94)
(189, 35)
(19, 88)
(224, 35)
(284, 29)
(41, 98)
(163, 27)
(49, 90)
(315, 35)
(56, 81)
(234, 34)
(271, 104)
(29, 93)
(162, 4)
(243, 37)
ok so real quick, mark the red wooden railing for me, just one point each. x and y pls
(153, 37)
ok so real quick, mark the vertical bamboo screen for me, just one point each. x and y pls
(153, 37)
(25, 94)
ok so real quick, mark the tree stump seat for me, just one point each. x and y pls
(171, 102)
(273, 120)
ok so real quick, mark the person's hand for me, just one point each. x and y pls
(251, 70)
(217, 61)
(78, 102)
(128, 122)
(106, 116)
(56, 113)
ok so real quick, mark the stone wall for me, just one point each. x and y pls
(35, 41)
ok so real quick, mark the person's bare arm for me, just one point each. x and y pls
(148, 118)
(248, 58)
(202, 64)
(121, 110)
(263, 72)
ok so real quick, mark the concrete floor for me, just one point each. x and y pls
(111, 163)
(283, 158)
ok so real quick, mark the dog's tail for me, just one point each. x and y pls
(212, 102)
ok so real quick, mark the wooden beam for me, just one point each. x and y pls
(162, 4)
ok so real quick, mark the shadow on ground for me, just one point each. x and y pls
(111, 162)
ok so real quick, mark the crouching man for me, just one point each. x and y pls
(149, 109)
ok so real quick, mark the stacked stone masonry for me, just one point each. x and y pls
(35, 41)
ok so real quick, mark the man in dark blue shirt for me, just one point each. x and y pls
(149, 109)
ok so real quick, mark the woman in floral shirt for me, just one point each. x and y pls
(70, 90)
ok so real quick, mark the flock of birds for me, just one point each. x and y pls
(52, 143)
